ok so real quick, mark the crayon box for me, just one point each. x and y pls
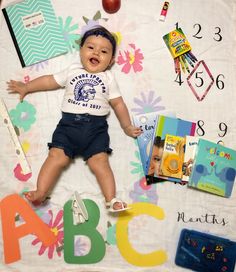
(177, 42)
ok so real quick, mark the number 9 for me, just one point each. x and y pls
(223, 127)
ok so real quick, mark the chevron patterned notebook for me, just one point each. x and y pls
(35, 31)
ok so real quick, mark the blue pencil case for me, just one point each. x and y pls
(205, 252)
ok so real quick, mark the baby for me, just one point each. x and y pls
(90, 91)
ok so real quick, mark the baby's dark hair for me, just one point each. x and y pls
(102, 31)
(159, 142)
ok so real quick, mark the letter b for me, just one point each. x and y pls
(98, 249)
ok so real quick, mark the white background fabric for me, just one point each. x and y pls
(138, 22)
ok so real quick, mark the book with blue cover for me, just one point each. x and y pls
(214, 168)
(147, 122)
(34, 30)
(166, 125)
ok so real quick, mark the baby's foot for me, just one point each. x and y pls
(36, 197)
(119, 205)
(116, 205)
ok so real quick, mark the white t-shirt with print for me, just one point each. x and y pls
(85, 92)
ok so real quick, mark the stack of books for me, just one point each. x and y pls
(170, 151)
(152, 143)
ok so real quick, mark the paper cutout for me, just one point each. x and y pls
(88, 229)
(14, 204)
(10, 206)
(127, 251)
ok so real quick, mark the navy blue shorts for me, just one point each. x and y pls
(81, 135)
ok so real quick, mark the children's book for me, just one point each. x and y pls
(173, 156)
(34, 30)
(189, 154)
(147, 122)
(166, 125)
(214, 168)
(200, 251)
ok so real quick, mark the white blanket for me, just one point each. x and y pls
(145, 73)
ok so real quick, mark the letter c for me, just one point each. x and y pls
(127, 251)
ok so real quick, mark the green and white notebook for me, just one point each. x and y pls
(35, 31)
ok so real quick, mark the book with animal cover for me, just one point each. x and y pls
(34, 30)
(147, 122)
(214, 168)
(173, 156)
(166, 125)
(189, 154)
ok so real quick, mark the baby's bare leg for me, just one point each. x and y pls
(49, 174)
(100, 166)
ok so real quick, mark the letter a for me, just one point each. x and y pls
(10, 207)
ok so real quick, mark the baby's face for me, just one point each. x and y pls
(96, 54)
(155, 162)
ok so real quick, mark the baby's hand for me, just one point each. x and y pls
(133, 131)
(17, 87)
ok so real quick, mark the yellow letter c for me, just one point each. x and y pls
(132, 256)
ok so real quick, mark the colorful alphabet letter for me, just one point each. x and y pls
(127, 251)
(88, 229)
(10, 207)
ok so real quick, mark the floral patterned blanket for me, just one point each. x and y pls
(144, 239)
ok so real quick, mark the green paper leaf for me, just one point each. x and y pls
(85, 19)
(97, 16)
